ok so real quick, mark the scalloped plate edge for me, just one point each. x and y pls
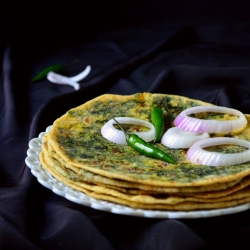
(45, 179)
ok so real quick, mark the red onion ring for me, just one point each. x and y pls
(112, 134)
(184, 122)
(199, 156)
(177, 138)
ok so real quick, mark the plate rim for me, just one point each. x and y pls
(47, 180)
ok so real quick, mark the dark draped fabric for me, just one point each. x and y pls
(197, 49)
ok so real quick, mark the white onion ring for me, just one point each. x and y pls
(177, 138)
(184, 122)
(112, 134)
(199, 156)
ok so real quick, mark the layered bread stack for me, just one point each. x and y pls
(75, 152)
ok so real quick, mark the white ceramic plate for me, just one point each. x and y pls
(32, 161)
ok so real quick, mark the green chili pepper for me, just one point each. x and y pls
(55, 68)
(42, 74)
(157, 119)
(145, 148)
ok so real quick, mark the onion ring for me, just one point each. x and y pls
(199, 156)
(177, 138)
(184, 122)
(112, 134)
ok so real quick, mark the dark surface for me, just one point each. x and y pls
(198, 49)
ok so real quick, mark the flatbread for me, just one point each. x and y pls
(135, 188)
(76, 138)
(75, 153)
(55, 168)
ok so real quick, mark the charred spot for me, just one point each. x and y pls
(100, 148)
(106, 167)
(116, 150)
(141, 104)
(85, 156)
(86, 119)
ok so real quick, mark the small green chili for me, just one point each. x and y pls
(157, 119)
(54, 68)
(145, 148)
(42, 74)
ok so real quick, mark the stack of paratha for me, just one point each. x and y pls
(75, 152)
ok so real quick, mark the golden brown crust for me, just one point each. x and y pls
(75, 153)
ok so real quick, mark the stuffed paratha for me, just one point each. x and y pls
(62, 174)
(75, 152)
(76, 138)
(132, 187)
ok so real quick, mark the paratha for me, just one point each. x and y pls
(61, 173)
(75, 152)
(87, 176)
(77, 140)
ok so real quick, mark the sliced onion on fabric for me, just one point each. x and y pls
(60, 79)
(81, 75)
(71, 81)
(177, 138)
(197, 155)
(191, 124)
(112, 134)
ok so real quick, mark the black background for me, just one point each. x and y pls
(198, 49)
